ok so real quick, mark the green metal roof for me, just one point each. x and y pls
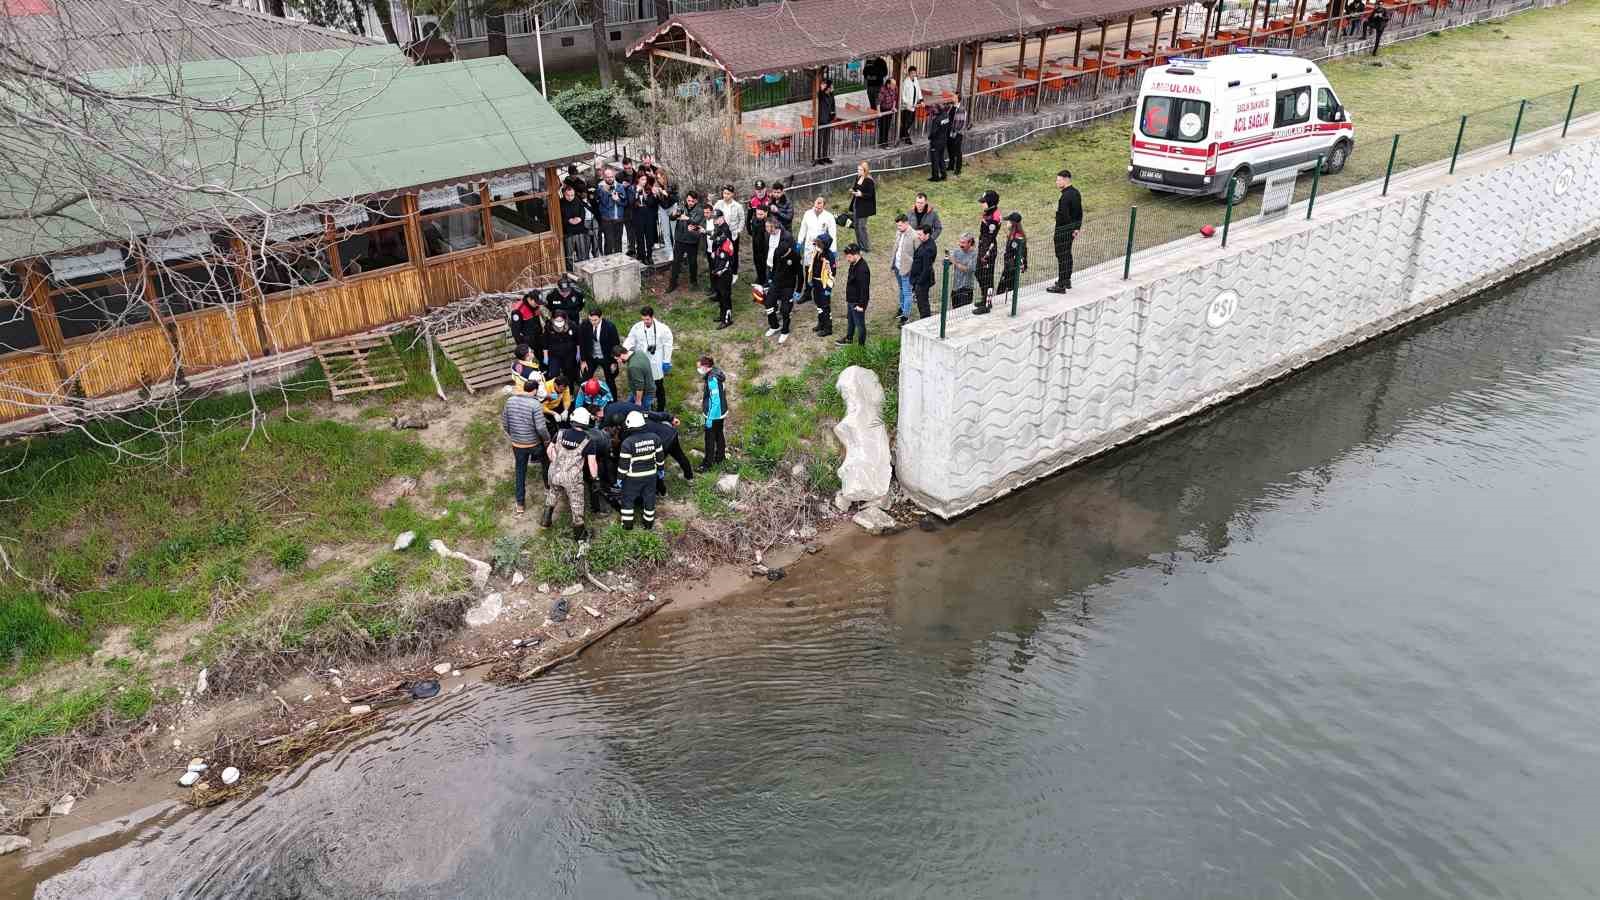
(325, 126)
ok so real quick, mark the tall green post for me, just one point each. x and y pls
(1460, 132)
(1517, 126)
(944, 298)
(1316, 177)
(1016, 288)
(1127, 255)
(1571, 104)
(1394, 147)
(1227, 218)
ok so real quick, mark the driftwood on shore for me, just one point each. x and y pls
(639, 615)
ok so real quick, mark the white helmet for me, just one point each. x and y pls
(635, 419)
(581, 416)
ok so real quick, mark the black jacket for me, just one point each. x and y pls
(561, 348)
(572, 209)
(527, 327)
(609, 340)
(786, 268)
(1016, 257)
(827, 111)
(783, 211)
(616, 413)
(857, 283)
(572, 304)
(1069, 213)
(865, 205)
(939, 127)
(922, 264)
(874, 72)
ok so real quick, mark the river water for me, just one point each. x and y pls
(1338, 639)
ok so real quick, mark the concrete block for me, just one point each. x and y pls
(867, 467)
(611, 279)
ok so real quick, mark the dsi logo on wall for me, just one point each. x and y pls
(1222, 309)
(1564, 181)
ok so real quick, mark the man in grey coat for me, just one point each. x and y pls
(523, 421)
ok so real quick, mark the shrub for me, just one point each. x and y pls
(290, 555)
(592, 112)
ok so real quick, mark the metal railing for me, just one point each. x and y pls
(1165, 218)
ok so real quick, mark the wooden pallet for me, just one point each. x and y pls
(360, 363)
(481, 353)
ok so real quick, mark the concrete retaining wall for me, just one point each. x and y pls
(1002, 401)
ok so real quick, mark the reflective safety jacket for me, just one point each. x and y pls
(640, 455)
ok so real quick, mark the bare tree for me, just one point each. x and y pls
(602, 41)
(687, 124)
(119, 186)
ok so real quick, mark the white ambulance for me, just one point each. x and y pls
(1206, 126)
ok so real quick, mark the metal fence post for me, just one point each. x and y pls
(1316, 177)
(1570, 104)
(1227, 216)
(1462, 130)
(1016, 288)
(1394, 148)
(1127, 255)
(944, 298)
(1517, 126)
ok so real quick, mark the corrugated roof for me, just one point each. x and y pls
(335, 125)
(86, 35)
(783, 37)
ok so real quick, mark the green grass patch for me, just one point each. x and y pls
(41, 717)
(133, 701)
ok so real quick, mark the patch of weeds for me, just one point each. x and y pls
(290, 554)
(673, 528)
(508, 552)
(43, 717)
(616, 547)
(133, 701)
(479, 437)
(120, 664)
(706, 499)
(143, 639)
(823, 474)
(558, 564)
(382, 578)
(30, 630)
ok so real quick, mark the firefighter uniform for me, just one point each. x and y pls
(638, 458)
(566, 479)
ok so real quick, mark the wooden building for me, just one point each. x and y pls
(368, 190)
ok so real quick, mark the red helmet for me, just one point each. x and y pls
(591, 388)
(1207, 231)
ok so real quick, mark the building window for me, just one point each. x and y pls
(456, 220)
(191, 272)
(568, 42)
(17, 330)
(372, 237)
(97, 292)
(283, 267)
(519, 206)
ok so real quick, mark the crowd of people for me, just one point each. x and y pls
(589, 405)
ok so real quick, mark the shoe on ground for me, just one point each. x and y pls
(724, 325)
(771, 332)
(842, 341)
(549, 517)
(521, 510)
(782, 338)
(1055, 289)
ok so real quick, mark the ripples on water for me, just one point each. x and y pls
(1337, 640)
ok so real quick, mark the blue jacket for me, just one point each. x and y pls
(611, 207)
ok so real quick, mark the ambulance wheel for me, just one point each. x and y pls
(1337, 157)
(1238, 186)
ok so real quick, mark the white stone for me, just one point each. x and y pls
(728, 484)
(544, 588)
(404, 540)
(807, 532)
(571, 589)
(11, 843)
(798, 470)
(360, 709)
(868, 466)
(63, 807)
(188, 779)
(175, 742)
(516, 579)
(611, 279)
(480, 569)
(202, 682)
(441, 668)
(874, 520)
(487, 611)
(198, 765)
(456, 673)
(592, 611)
(230, 775)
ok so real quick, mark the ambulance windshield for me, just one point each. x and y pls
(1174, 119)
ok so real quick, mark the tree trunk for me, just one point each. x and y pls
(386, 19)
(663, 11)
(602, 41)
(276, 8)
(358, 18)
(497, 34)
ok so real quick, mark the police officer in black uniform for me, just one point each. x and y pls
(566, 298)
(988, 242)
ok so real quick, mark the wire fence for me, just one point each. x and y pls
(1120, 235)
